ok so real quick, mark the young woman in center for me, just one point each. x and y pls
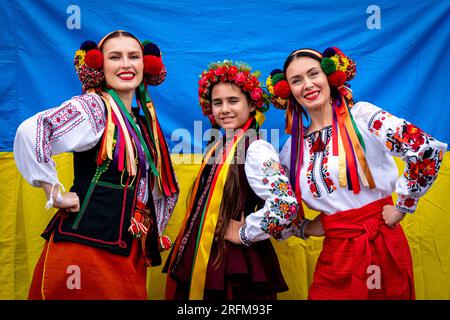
(240, 180)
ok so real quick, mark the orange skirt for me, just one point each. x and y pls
(363, 258)
(72, 271)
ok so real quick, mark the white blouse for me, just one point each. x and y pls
(384, 136)
(269, 181)
(76, 125)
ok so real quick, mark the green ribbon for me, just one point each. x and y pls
(127, 114)
(358, 133)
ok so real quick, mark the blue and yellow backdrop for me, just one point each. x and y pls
(401, 49)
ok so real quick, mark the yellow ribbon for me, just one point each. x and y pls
(211, 217)
(365, 173)
(151, 110)
(342, 162)
(209, 226)
(131, 164)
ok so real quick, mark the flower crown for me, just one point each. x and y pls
(278, 88)
(338, 67)
(88, 62)
(237, 73)
(335, 64)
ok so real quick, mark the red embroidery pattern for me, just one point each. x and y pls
(141, 189)
(423, 160)
(94, 109)
(283, 206)
(407, 202)
(319, 158)
(53, 124)
(376, 121)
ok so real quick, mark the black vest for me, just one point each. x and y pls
(107, 199)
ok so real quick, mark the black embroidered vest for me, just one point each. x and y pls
(108, 198)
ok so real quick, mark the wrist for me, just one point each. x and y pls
(55, 196)
(245, 241)
(303, 229)
(403, 210)
(406, 204)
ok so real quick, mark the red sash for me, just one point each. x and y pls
(357, 241)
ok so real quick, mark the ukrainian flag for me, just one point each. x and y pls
(401, 52)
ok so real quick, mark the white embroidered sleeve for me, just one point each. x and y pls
(421, 153)
(76, 125)
(164, 207)
(268, 180)
(285, 156)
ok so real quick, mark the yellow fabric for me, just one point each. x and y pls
(209, 226)
(207, 235)
(23, 217)
(129, 145)
(364, 173)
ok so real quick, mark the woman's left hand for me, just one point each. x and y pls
(232, 232)
(392, 215)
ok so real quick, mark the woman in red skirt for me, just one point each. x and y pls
(341, 165)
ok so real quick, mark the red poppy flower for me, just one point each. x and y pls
(409, 202)
(256, 94)
(428, 167)
(377, 124)
(220, 71)
(414, 171)
(417, 141)
(232, 70)
(202, 81)
(274, 229)
(412, 130)
(240, 78)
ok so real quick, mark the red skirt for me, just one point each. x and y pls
(72, 271)
(363, 258)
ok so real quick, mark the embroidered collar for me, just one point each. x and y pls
(319, 138)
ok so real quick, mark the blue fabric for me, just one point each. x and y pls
(402, 66)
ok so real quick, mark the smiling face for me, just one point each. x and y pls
(308, 83)
(123, 64)
(230, 106)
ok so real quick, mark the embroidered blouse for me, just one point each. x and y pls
(384, 136)
(269, 181)
(76, 125)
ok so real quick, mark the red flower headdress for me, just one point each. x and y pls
(88, 62)
(237, 73)
(338, 67)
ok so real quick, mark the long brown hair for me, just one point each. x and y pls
(233, 198)
(232, 206)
